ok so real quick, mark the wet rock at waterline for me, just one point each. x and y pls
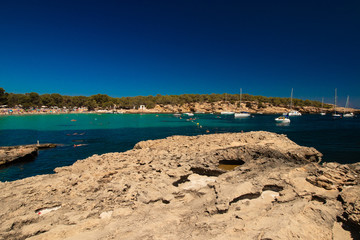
(173, 188)
(11, 154)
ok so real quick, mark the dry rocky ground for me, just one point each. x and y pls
(176, 188)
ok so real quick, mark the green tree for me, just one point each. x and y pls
(34, 99)
(3, 97)
(91, 104)
(57, 99)
(14, 99)
(47, 100)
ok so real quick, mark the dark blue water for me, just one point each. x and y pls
(337, 139)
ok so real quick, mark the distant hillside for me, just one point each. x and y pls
(31, 100)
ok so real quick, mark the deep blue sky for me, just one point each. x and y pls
(130, 48)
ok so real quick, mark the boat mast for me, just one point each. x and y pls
(292, 89)
(240, 99)
(322, 102)
(347, 103)
(335, 101)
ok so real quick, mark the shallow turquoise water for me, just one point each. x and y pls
(337, 139)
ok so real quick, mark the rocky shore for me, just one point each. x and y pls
(215, 107)
(13, 154)
(251, 107)
(178, 188)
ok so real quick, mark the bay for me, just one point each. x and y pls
(92, 134)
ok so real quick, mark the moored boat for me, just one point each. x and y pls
(348, 114)
(282, 119)
(241, 114)
(292, 112)
(322, 106)
(227, 113)
(335, 114)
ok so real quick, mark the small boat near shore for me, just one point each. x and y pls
(322, 106)
(189, 114)
(227, 113)
(282, 119)
(347, 114)
(335, 115)
(241, 114)
(292, 112)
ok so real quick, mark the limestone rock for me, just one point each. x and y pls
(22, 152)
(351, 198)
(178, 188)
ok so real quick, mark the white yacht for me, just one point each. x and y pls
(348, 114)
(226, 112)
(335, 114)
(282, 119)
(241, 114)
(292, 112)
(189, 114)
(322, 106)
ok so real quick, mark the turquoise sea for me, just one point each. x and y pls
(338, 140)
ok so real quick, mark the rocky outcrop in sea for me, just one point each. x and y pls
(255, 185)
(11, 154)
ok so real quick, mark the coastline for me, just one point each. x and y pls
(174, 188)
(214, 108)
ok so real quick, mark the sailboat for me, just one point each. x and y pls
(292, 112)
(335, 114)
(322, 106)
(226, 113)
(241, 114)
(349, 114)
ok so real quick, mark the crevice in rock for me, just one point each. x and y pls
(232, 162)
(182, 179)
(222, 211)
(340, 199)
(206, 172)
(318, 199)
(273, 187)
(346, 225)
(157, 200)
(20, 223)
(248, 196)
(229, 165)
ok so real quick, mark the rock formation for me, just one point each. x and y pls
(22, 152)
(177, 188)
(250, 106)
